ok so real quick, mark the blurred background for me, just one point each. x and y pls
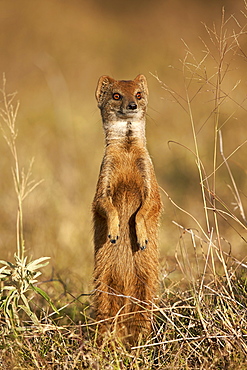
(52, 54)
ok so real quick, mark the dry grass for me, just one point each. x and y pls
(200, 311)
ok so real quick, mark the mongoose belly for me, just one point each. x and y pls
(119, 258)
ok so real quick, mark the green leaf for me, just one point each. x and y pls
(30, 314)
(7, 263)
(4, 262)
(4, 274)
(10, 305)
(36, 264)
(9, 287)
(45, 296)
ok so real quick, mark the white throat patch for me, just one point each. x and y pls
(121, 129)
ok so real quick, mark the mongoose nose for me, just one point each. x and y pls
(132, 106)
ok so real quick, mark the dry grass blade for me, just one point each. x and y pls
(235, 191)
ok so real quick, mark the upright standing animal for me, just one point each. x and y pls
(126, 210)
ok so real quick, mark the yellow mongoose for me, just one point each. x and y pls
(126, 210)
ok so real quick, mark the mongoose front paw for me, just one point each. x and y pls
(141, 232)
(113, 233)
(113, 239)
(142, 245)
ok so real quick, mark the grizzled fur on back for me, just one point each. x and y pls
(126, 210)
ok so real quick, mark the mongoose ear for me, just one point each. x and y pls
(141, 79)
(103, 85)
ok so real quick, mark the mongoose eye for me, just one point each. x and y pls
(138, 95)
(116, 96)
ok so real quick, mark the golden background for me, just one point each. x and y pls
(52, 53)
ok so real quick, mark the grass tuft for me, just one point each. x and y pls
(18, 277)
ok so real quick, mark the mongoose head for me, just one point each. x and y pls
(122, 100)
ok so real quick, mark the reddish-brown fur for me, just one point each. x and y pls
(126, 209)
